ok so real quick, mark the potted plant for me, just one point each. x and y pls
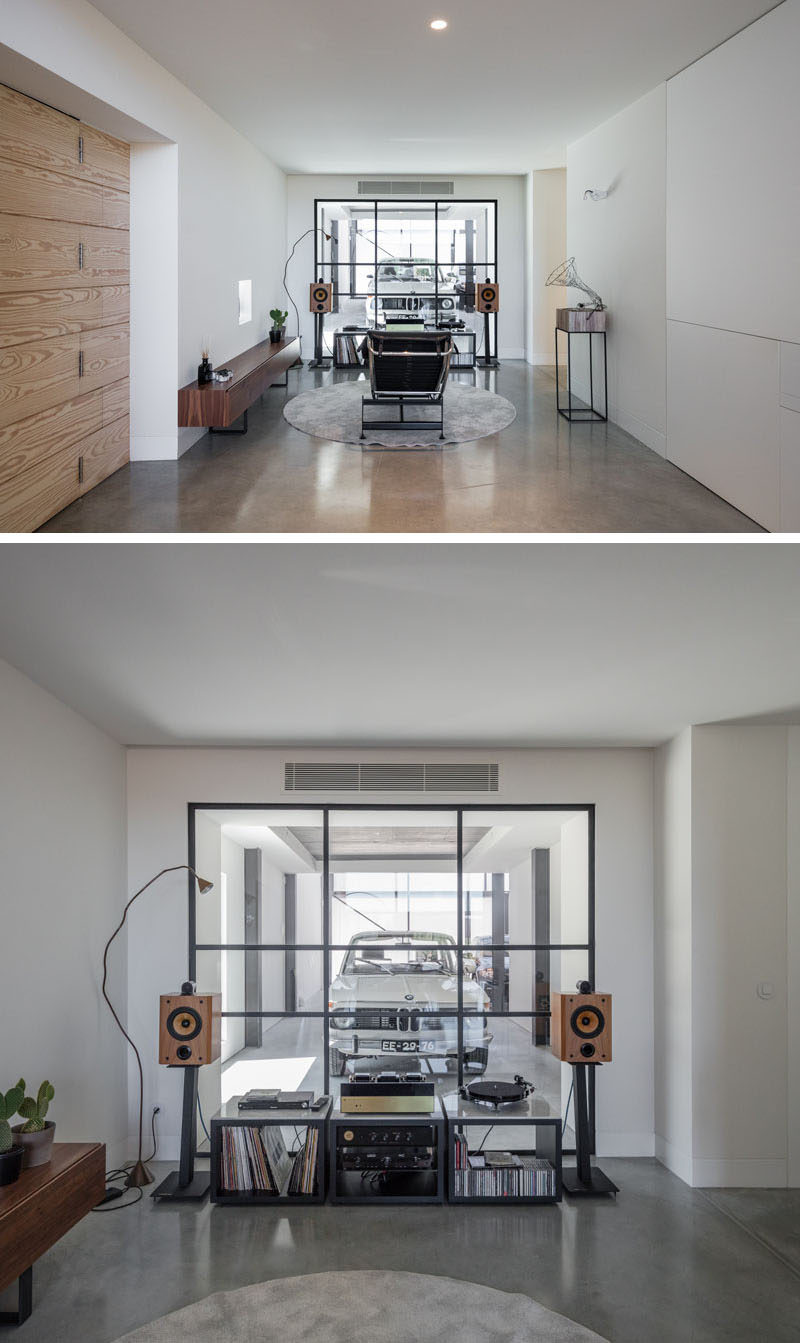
(36, 1134)
(11, 1152)
(205, 369)
(278, 328)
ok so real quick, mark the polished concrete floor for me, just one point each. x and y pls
(661, 1264)
(541, 474)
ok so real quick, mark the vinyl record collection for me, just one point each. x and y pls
(255, 1159)
(304, 1171)
(501, 1174)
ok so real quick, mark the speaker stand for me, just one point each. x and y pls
(320, 360)
(487, 360)
(183, 1185)
(586, 1181)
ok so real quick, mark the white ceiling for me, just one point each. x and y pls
(406, 644)
(354, 87)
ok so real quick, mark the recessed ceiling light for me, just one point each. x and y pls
(439, 24)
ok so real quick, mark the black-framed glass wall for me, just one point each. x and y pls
(396, 258)
(370, 937)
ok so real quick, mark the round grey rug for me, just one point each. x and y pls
(365, 1307)
(335, 413)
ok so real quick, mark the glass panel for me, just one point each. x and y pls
(394, 976)
(266, 869)
(526, 877)
(466, 234)
(290, 1057)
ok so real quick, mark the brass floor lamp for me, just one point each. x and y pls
(139, 1175)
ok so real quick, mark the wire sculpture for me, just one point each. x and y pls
(567, 276)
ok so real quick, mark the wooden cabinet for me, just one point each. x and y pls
(64, 309)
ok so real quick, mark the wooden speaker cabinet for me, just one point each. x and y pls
(487, 296)
(581, 1027)
(189, 1029)
(321, 297)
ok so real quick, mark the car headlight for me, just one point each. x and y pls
(343, 1023)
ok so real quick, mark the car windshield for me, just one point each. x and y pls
(397, 955)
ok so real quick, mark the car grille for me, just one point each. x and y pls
(379, 1019)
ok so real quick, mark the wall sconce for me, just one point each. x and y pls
(592, 194)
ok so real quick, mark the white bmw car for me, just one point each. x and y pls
(396, 995)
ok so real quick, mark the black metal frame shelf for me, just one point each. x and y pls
(230, 1116)
(590, 412)
(328, 812)
(487, 265)
(338, 1121)
(461, 1114)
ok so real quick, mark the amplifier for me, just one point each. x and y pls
(382, 1135)
(387, 1158)
(386, 1095)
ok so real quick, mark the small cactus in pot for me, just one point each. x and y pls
(278, 319)
(37, 1133)
(11, 1151)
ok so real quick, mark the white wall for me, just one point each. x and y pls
(673, 955)
(793, 954)
(739, 941)
(273, 924)
(162, 781)
(62, 837)
(619, 247)
(510, 194)
(726, 892)
(733, 284)
(204, 217)
(546, 248)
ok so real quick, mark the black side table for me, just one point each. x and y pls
(589, 412)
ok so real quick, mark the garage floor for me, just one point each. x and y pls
(662, 1263)
(539, 475)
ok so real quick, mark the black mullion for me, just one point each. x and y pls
(326, 937)
(394, 946)
(460, 941)
(375, 264)
(436, 262)
(192, 929)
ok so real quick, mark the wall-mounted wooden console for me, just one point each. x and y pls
(64, 284)
(216, 405)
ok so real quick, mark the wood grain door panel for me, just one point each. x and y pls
(38, 375)
(106, 356)
(106, 255)
(44, 253)
(58, 312)
(105, 160)
(27, 441)
(39, 193)
(38, 135)
(105, 451)
(44, 488)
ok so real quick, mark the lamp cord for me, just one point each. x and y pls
(179, 867)
(315, 229)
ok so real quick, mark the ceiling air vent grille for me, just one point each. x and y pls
(306, 777)
(406, 187)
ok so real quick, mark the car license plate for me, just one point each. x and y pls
(407, 1046)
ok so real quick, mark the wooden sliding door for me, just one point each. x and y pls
(64, 310)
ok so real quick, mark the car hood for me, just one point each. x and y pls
(403, 990)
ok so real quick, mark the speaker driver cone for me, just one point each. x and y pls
(320, 295)
(184, 1023)
(587, 1022)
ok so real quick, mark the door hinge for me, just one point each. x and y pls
(80, 470)
(80, 149)
(80, 256)
(80, 363)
